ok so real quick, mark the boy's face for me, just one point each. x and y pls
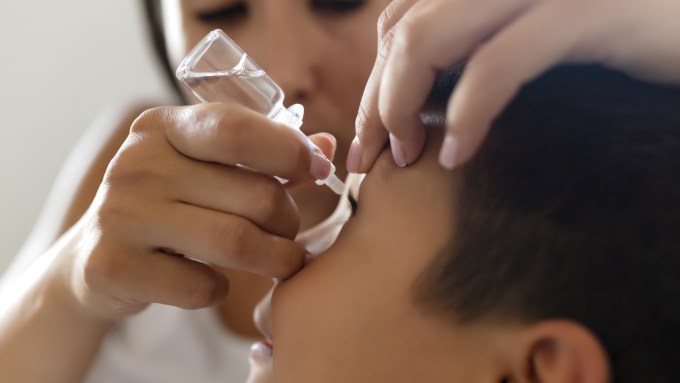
(350, 315)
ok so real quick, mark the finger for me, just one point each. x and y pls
(231, 134)
(497, 70)
(155, 277)
(233, 190)
(392, 14)
(430, 37)
(326, 142)
(222, 239)
(370, 134)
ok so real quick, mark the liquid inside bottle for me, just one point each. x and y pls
(249, 87)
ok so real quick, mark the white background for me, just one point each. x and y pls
(61, 63)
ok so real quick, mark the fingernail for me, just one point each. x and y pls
(354, 156)
(320, 168)
(449, 153)
(398, 151)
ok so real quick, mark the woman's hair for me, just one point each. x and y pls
(153, 15)
(571, 210)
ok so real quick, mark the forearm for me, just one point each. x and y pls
(44, 335)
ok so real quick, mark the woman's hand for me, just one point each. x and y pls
(507, 43)
(173, 204)
(171, 209)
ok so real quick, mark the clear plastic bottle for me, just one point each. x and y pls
(218, 70)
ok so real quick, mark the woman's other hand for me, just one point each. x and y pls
(507, 43)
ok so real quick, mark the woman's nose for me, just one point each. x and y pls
(287, 50)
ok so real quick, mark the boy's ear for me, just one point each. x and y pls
(557, 351)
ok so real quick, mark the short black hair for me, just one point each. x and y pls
(571, 209)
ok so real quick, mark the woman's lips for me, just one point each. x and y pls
(262, 350)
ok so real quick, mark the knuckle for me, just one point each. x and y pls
(229, 132)
(125, 169)
(389, 16)
(291, 261)
(363, 121)
(103, 269)
(385, 21)
(270, 197)
(112, 214)
(231, 238)
(137, 164)
(229, 140)
(385, 44)
(408, 37)
(148, 120)
(203, 294)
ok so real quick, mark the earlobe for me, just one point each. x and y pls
(559, 351)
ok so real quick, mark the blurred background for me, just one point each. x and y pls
(63, 62)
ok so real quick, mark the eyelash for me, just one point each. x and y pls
(239, 10)
(228, 13)
(353, 203)
(337, 6)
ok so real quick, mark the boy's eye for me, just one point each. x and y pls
(226, 13)
(353, 203)
(337, 6)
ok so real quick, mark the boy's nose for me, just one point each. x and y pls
(263, 318)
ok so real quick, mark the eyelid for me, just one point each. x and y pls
(222, 13)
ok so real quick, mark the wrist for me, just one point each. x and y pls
(59, 287)
(41, 319)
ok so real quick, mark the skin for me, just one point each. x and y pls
(310, 70)
(350, 315)
(134, 206)
(93, 266)
(418, 38)
(355, 274)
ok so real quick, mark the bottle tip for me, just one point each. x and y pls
(333, 183)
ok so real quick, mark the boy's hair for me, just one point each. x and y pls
(571, 209)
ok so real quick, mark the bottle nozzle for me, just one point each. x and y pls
(333, 182)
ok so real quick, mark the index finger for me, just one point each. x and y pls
(231, 134)
(371, 135)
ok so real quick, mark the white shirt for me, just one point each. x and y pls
(166, 344)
